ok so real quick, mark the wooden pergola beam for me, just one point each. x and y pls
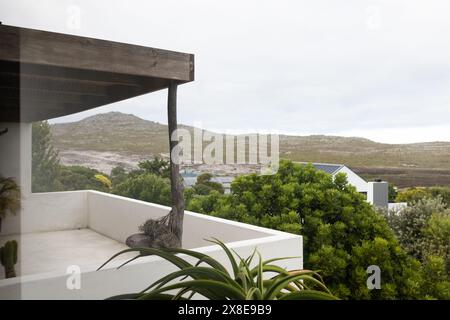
(62, 50)
(44, 74)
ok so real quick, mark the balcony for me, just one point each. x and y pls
(84, 228)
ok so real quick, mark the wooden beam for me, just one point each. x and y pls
(67, 85)
(67, 51)
(176, 183)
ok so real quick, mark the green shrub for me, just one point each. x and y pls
(342, 233)
(146, 187)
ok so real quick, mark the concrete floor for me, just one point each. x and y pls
(55, 251)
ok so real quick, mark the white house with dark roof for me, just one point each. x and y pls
(377, 191)
(359, 183)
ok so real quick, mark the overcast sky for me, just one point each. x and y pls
(376, 69)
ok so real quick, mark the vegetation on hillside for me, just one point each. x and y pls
(412, 195)
(420, 164)
(115, 131)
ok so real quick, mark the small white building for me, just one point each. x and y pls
(359, 183)
(377, 192)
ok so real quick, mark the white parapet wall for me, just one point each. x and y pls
(116, 217)
(49, 211)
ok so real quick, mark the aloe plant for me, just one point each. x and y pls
(210, 279)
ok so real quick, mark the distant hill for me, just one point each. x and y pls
(127, 134)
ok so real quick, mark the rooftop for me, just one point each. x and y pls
(46, 75)
(327, 167)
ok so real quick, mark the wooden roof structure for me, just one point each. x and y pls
(46, 75)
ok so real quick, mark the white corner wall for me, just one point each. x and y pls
(15, 155)
(49, 211)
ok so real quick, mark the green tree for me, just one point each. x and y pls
(342, 233)
(118, 175)
(412, 195)
(81, 178)
(415, 194)
(204, 184)
(436, 284)
(392, 193)
(443, 192)
(147, 187)
(156, 166)
(46, 168)
(412, 225)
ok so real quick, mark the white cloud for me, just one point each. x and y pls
(372, 68)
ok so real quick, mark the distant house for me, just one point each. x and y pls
(359, 183)
(376, 191)
(190, 179)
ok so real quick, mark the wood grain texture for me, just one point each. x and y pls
(68, 51)
(46, 75)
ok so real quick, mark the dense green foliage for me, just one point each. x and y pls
(423, 229)
(156, 166)
(248, 280)
(147, 187)
(342, 233)
(204, 185)
(411, 225)
(80, 178)
(118, 175)
(49, 175)
(45, 161)
(149, 182)
(392, 193)
(411, 195)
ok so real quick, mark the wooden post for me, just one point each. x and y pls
(176, 183)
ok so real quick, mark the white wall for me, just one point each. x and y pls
(118, 217)
(355, 180)
(15, 162)
(49, 211)
(15, 153)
